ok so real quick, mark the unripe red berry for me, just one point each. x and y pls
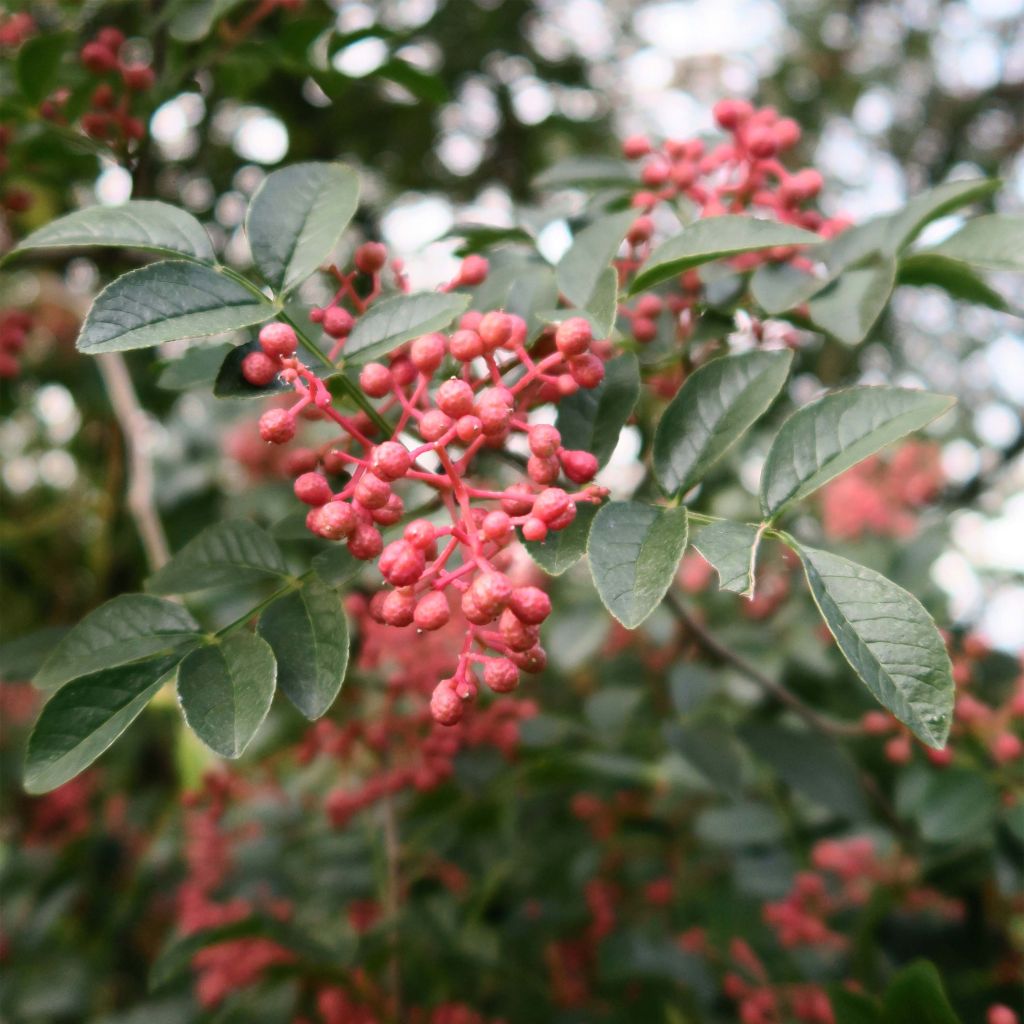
(110, 37)
(573, 336)
(445, 705)
(468, 429)
(579, 466)
(277, 426)
(761, 143)
(501, 675)
(370, 257)
(312, 489)
(684, 174)
(434, 425)
(495, 330)
(470, 320)
(301, 460)
(656, 173)
(566, 386)
(390, 460)
(551, 503)
(372, 492)
(731, 113)
(401, 564)
(397, 608)
(518, 499)
(97, 58)
(432, 611)
(544, 440)
(473, 270)
(391, 513)
(472, 611)
(375, 379)
(517, 635)
(278, 340)
(336, 520)
(337, 322)
(787, 133)
(562, 521)
(365, 542)
(535, 529)
(519, 332)
(534, 660)
(542, 471)
(138, 77)
(1001, 1014)
(466, 346)
(644, 330)
(421, 533)
(640, 231)
(1007, 747)
(635, 146)
(587, 370)
(455, 398)
(427, 353)
(258, 369)
(491, 591)
(496, 526)
(530, 604)
(648, 306)
(494, 410)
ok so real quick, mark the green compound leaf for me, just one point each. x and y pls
(562, 549)
(167, 301)
(731, 548)
(138, 224)
(395, 321)
(592, 419)
(828, 436)
(232, 552)
(296, 218)
(84, 717)
(226, 690)
(889, 640)
(127, 628)
(714, 408)
(713, 239)
(634, 552)
(308, 632)
(592, 250)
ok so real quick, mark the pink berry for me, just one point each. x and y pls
(445, 705)
(375, 380)
(371, 491)
(530, 604)
(466, 346)
(312, 489)
(496, 526)
(644, 330)
(551, 503)
(518, 500)
(731, 113)
(542, 471)
(579, 466)
(278, 340)
(398, 607)
(390, 460)
(494, 409)
(110, 37)
(427, 352)
(501, 675)
(421, 533)
(277, 426)
(1007, 747)
(391, 513)
(472, 611)
(491, 591)
(562, 521)
(656, 173)
(455, 398)
(535, 529)
(432, 611)
(468, 429)
(573, 336)
(98, 58)
(495, 330)
(138, 77)
(761, 143)
(337, 322)
(401, 564)
(636, 146)
(365, 542)
(473, 271)
(336, 520)
(544, 440)
(787, 133)
(259, 369)
(434, 425)
(470, 320)
(370, 257)
(587, 370)
(1001, 1014)
(534, 660)
(518, 636)
(640, 231)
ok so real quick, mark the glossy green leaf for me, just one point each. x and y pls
(590, 254)
(905, 224)
(391, 323)
(634, 551)
(992, 242)
(308, 632)
(138, 224)
(591, 419)
(732, 549)
(336, 566)
(296, 218)
(562, 549)
(713, 239)
(198, 366)
(848, 308)
(916, 996)
(714, 408)
(23, 656)
(778, 287)
(828, 436)
(226, 690)
(228, 553)
(129, 627)
(602, 308)
(889, 640)
(952, 276)
(229, 382)
(84, 717)
(167, 301)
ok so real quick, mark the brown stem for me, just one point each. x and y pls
(714, 647)
(137, 432)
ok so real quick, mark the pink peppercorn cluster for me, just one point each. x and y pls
(742, 175)
(109, 118)
(462, 393)
(995, 728)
